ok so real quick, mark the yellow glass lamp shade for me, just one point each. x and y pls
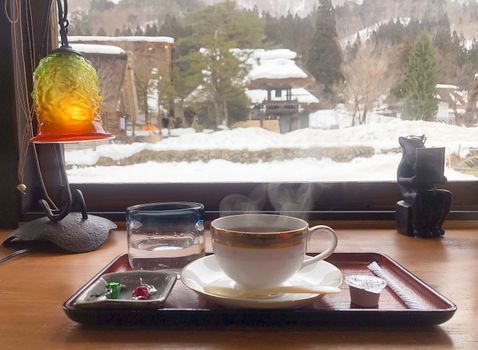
(66, 98)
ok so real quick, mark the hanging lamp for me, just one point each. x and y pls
(66, 98)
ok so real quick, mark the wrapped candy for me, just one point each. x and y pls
(112, 290)
(143, 291)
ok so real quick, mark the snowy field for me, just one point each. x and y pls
(381, 134)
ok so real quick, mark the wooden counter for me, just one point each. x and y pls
(33, 288)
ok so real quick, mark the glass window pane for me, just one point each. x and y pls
(285, 91)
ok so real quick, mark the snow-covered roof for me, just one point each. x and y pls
(199, 94)
(274, 64)
(262, 54)
(102, 49)
(301, 94)
(447, 86)
(152, 39)
(458, 110)
(264, 64)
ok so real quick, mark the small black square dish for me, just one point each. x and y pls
(159, 282)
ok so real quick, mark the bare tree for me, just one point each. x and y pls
(367, 78)
(471, 114)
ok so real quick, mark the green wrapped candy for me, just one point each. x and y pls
(113, 290)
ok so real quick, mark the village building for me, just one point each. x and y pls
(144, 59)
(451, 104)
(278, 90)
(110, 63)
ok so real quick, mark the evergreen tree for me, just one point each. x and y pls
(101, 32)
(292, 32)
(172, 27)
(101, 5)
(352, 50)
(419, 87)
(128, 32)
(79, 22)
(154, 29)
(151, 30)
(325, 56)
(138, 31)
(209, 54)
(227, 20)
(148, 31)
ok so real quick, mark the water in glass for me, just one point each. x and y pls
(164, 251)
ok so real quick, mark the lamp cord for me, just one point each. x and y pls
(13, 18)
(63, 22)
(21, 86)
(14, 254)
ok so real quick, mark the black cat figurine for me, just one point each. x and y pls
(423, 208)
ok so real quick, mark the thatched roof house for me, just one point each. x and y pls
(145, 54)
(278, 89)
(110, 63)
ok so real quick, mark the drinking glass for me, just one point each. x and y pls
(165, 235)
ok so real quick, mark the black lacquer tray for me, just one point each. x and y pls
(186, 308)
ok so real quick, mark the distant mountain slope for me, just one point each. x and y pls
(110, 15)
(355, 15)
(352, 15)
(279, 7)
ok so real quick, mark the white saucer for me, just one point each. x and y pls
(206, 271)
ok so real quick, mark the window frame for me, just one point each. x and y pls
(334, 200)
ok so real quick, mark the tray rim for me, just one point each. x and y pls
(447, 312)
(416, 279)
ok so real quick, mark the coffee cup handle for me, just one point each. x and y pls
(326, 253)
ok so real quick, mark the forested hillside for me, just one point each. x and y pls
(125, 16)
(351, 16)
(374, 69)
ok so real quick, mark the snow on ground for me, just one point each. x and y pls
(165, 132)
(381, 133)
(377, 168)
(380, 136)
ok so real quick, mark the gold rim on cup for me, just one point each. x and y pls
(267, 239)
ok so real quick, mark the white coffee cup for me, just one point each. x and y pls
(264, 250)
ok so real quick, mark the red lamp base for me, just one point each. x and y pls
(69, 138)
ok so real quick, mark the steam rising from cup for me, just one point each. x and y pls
(285, 199)
(293, 200)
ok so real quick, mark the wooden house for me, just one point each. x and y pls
(110, 63)
(278, 89)
(143, 55)
(451, 104)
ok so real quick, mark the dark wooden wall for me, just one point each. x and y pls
(12, 204)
